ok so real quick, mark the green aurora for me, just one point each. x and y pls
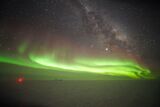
(100, 66)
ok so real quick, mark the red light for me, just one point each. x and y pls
(20, 80)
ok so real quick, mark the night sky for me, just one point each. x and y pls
(68, 35)
(47, 47)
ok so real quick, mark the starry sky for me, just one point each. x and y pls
(90, 28)
(45, 40)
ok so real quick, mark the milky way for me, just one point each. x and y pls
(88, 43)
